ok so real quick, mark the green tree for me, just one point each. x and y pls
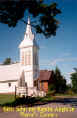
(7, 61)
(59, 81)
(74, 80)
(44, 15)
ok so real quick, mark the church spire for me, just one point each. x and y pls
(28, 36)
(28, 20)
(28, 28)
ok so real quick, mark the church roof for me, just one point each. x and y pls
(10, 72)
(45, 75)
(29, 39)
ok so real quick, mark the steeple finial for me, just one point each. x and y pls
(28, 20)
(28, 28)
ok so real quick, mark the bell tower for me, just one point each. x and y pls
(29, 57)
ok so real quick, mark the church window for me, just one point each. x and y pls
(9, 84)
(28, 58)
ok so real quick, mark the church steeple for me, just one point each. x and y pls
(29, 56)
(29, 38)
(28, 28)
(28, 33)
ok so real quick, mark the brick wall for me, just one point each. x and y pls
(44, 86)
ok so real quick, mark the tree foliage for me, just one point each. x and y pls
(12, 11)
(59, 81)
(7, 61)
(74, 80)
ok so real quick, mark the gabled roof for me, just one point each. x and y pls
(45, 75)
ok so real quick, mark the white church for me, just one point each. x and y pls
(20, 77)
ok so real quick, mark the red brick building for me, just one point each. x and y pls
(45, 78)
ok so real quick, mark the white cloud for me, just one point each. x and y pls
(66, 54)
(69, 73)
(55, 61)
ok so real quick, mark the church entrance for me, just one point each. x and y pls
(22, 89)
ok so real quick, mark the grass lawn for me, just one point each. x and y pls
(6, 98)
(9, 100)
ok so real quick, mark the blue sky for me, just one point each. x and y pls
(60, 50)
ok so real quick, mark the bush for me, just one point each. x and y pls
(50, 93)
(70, 92)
